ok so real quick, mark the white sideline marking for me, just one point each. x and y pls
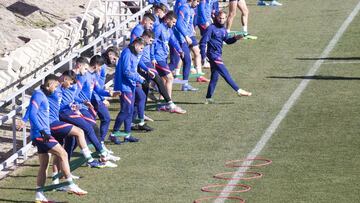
(287, 106)
(341, 62)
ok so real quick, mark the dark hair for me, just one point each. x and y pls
(105, 55)
(138, 40)
(97, 60)
(49, 78)
(148, 33)
(149, 16)
(82, 60)
(170, 15)
(69, 73)
(160, 6)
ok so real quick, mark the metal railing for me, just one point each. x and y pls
(113, 35)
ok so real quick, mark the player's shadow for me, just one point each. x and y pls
(17, 188)
(203, 103)
(315, 77)
(19, 201)
(330, 58)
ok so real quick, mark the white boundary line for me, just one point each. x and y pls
(289, 104)
(341, 62)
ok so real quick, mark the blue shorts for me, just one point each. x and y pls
(194, 42)
(60, 130)
(162, 68)
(44, 147)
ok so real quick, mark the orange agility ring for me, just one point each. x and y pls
(254, 175)
(208, 188)
(232, 163)
(219, 197)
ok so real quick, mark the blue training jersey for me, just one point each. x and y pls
(136, 32)
(184, 25)
(68, 96)
(100, 77)
(163, 37)
(126, 75)
(88, 84)
(38, 114)
(214, 37)
(54, 103)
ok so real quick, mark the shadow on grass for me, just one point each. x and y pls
(17, 188)
(22, 176)
(10, 200)
(315, 77)
(202, 103)
(329, 58)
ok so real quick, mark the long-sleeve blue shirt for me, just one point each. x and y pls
(136, 32)
(177, 5)
(101, 77)
(204, 12)
(38, 114)
(88, 84)
(54, 103)
(184, 24)
(126, 75)
(214, 37)
(163, 37)
(68, 96)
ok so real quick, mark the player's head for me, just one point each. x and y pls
(96, 62)
(68, 78)
(137, 46)
(148, 36)
(81, 65)
(160, 10)
(170, 19)
(50, 84)
(148, 21)
(110, 55)
(221, 18)
(193, 3)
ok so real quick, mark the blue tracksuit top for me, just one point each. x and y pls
(38, 114)
(178, 4)
(205, 9)
(126, 75)
(136, 32)
(214, 37)
(88, 84)
(204, 12)
(68, 96)
(163, 37)
(145, 58)
(54, 106)
(145, 55)
(100, 77)
(184, 24)
(157, 20)
(54, 103)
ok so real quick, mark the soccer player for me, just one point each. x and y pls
(214, 37)
(70, 113)
(41, 137)
(146, 23)
(185, 33)
(159, 12)
(159, 54)
(151, 74)
(125, 80)
(241, 4)
(59, 129)
(204, 14)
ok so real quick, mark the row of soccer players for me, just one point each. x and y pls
(65, 108)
